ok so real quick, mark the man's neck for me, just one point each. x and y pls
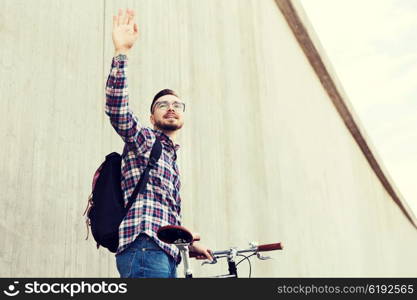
(170, 133)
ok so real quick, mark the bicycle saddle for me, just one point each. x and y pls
(172, 234)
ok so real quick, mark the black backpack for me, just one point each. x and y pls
(105, 209)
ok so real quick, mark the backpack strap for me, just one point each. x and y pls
(153, 160)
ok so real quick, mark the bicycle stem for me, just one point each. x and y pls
(183, 247)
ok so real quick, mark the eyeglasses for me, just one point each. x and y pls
(164, 105)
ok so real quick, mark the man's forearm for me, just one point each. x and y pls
(117, 100)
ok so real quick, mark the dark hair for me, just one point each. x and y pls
(161, 94)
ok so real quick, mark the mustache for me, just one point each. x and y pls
(170, 114)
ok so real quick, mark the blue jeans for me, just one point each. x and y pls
(145, 259)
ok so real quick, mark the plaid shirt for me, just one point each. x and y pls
(160, 204)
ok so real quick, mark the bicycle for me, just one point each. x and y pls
(182, 238)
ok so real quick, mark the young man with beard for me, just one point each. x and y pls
(140, 252)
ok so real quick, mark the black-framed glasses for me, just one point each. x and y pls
(164, 105)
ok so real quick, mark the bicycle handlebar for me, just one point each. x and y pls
(259, 248)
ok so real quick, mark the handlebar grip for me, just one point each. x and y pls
(270, 247)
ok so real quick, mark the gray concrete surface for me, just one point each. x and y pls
(265, 156)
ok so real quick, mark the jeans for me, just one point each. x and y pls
(145, 259)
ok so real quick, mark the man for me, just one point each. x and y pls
(140, 252)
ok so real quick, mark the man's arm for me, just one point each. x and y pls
(125, 32)
(199, 250)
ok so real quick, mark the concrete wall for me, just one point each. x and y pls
(265, 156)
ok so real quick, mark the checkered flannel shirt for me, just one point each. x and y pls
(160, 204)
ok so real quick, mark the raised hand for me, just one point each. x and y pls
(125, 31)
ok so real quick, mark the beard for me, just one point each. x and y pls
(166, 126)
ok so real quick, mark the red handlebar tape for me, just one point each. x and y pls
(270, 247)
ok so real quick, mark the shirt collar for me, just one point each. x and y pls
(166, 138)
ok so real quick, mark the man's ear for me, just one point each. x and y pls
(151, 118)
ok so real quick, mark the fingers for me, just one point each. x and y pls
(136, 30)
(124, 19)
(119, 16)
(207, 254)
(131, 16)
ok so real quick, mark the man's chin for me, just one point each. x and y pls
(168, 127)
